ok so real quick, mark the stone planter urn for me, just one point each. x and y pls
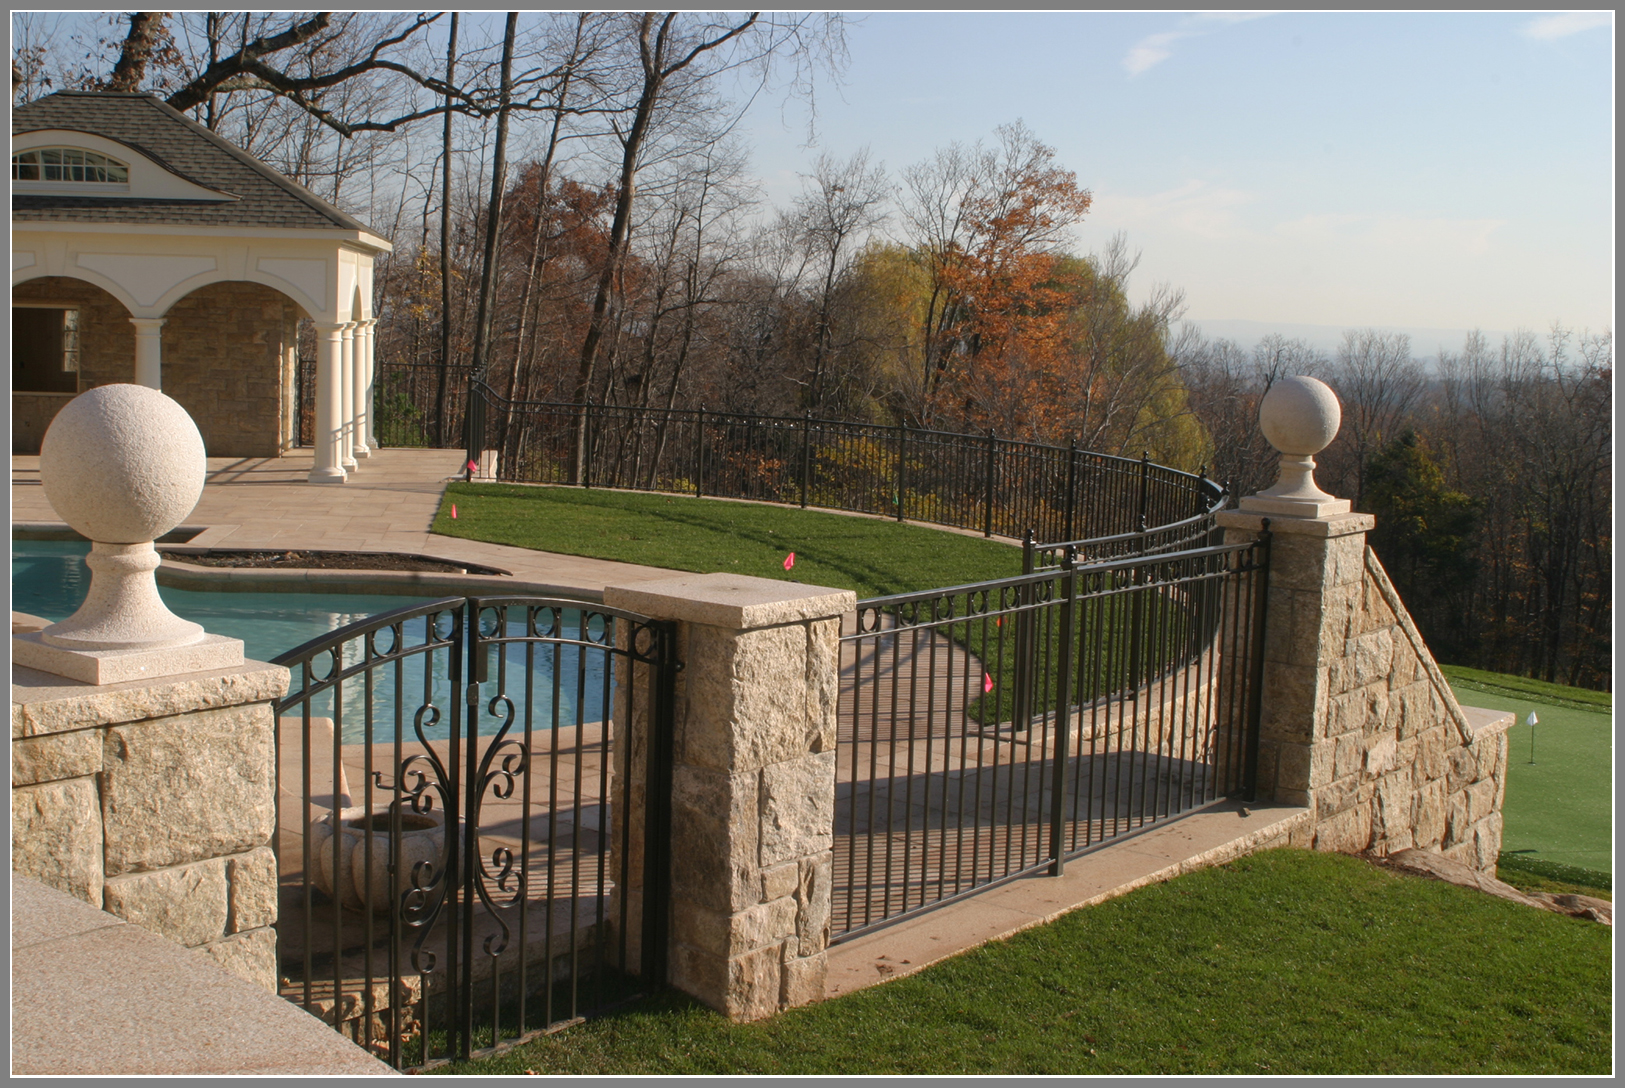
(355, 884)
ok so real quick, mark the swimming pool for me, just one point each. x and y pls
(49, 579)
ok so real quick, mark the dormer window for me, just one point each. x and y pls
(67, 164)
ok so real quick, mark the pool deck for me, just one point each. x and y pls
(387, 505)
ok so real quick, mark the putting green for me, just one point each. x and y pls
(1560, 807)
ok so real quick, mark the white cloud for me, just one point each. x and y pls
(1153, 49)
(1565, 23)
(1149, 52)
(1193, 208)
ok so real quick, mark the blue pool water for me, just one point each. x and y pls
(49, 579)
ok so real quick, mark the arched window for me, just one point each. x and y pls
(67, 164)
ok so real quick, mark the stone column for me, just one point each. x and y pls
(328, 439)
(1358, 723)
(753, 784)
(149, 351)
(347, 390)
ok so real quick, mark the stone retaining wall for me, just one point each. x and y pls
(1358, 722)
(162, 813)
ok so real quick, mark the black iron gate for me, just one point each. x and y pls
(468, 824)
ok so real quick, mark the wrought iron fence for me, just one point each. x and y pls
(458, 865)
(994, 730)
(979, 482)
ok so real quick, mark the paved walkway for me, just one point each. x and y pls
(92, 995)
(387, 505)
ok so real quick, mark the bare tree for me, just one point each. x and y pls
(1377, 382)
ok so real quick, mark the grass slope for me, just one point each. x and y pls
(867, 555)
(1287, 962)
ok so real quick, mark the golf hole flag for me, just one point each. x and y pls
(789, 560)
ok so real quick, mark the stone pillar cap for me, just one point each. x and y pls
(735, 601)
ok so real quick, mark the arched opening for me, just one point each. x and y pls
(67, 335)
(230, 359)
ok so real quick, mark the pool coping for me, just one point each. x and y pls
(179, 574)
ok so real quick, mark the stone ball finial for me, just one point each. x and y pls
(1300, 416)
(123, 464)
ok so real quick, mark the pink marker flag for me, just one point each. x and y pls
(473, 466)
(987, 683)
(454, 511)
(789, 560)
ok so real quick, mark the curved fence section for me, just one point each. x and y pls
(982, 482)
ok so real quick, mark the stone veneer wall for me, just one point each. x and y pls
(1358, 722)
(155, 801)
(226, 348)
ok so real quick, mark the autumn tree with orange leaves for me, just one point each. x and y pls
(987, 226)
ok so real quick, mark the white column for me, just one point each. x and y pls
(149, 351)
(347, 395)
(372, 381)
(329, 437)
(362, 380)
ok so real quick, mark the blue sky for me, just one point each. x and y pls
(1422, 171)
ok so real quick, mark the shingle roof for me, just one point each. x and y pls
(143, 122)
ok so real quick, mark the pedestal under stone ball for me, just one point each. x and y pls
(123, 464)
(1300, 416)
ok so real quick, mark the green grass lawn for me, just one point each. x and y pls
(870, 556)
(1558, 809)
(1287, 962)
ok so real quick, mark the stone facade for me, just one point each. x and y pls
(753, 787)
(1358, 723)
(228, 359)
(155, 801)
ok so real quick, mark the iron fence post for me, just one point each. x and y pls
(1255, 700)
(987, 501)
(806, 455)
(902, 454)
(1071, 489)
(1063, 713)
(587, 439)
(657, 813)
(1145, 473)
(1026, 643)
(699, 451)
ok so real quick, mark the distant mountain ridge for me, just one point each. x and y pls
(1425, 342)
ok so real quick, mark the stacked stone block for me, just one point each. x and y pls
(1358, 723)
(155, 801)
(753, 785)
